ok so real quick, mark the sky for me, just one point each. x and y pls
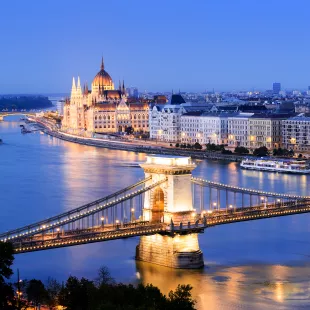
(155, 45)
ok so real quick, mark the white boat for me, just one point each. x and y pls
(276, 165)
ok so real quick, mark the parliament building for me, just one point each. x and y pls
(103, 109)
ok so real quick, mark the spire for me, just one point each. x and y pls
(86, 89)
(119, 85)
(124, 90)
(78, 88)
(102, 64)
(73, 84)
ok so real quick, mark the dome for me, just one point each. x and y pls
(102, 78)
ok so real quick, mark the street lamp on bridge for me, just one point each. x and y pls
(132, 215)
(117, 224)
(102, 221)
(214, 205)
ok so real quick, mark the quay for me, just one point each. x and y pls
(134, 147)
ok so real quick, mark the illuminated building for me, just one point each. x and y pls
(165, 119)
(265, 130)
(204, 127)
(296, 133)
(103, 109)
(238, 130)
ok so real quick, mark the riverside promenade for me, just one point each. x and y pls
(147, 147)
(139, 146)
(135, 146)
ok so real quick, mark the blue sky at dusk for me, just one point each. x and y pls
(155, 45)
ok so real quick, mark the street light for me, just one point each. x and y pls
(132, 215)
(214, 205)
(102, 221)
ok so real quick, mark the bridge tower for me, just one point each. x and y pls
(170, 202)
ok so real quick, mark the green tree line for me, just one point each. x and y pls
(103, 293)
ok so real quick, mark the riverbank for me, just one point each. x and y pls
(131, 146)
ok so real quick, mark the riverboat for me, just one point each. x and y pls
(276, 165)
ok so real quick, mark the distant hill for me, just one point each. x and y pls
(30, 102)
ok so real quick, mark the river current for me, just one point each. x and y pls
(262, 264)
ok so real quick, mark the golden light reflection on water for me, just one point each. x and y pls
(246, 287)
(89, 173)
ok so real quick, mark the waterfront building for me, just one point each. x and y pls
(103, 109)
(265, 130)
(238, 130)
(165, 119)
(205, 127)
(296, 132)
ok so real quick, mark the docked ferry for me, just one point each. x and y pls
(280, 165)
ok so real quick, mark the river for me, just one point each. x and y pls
(260, 264)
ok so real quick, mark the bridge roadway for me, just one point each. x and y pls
(133, 229)
(4, 114)
(78, 213)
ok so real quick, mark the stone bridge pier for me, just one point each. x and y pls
(171, 201)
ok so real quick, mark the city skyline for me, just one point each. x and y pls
(155, 47)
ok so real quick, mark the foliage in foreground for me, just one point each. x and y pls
(83, 294)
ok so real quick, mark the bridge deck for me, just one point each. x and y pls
(99, 234)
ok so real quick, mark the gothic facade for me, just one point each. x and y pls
(103, 109)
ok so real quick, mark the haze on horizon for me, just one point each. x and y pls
(155, 45)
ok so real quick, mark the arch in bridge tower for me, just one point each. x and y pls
(158, 203)
(176, 192)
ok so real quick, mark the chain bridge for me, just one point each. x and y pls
(167, 209)
(4, 114)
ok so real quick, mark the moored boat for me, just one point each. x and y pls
(276, 165)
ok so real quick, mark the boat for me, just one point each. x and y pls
(132, 165)
(276, 165)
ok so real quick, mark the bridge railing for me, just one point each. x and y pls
(248, 191)
(79, 213)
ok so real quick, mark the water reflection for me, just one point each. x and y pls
(255, 287)
(254, 265)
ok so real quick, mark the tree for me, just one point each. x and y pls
(129, 130)
(197, 146)
(177, 145)
(241, 150)
(261, 151)
(6, 290)
(78, 294)
(226, 152)
(280, 152)
(300, 156)
(6, 260)
(52, 289)
(104, 277)
(181, 298)
(215, 147)
(36, 292)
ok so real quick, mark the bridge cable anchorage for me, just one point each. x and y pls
(243, 190)
(77, 213)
